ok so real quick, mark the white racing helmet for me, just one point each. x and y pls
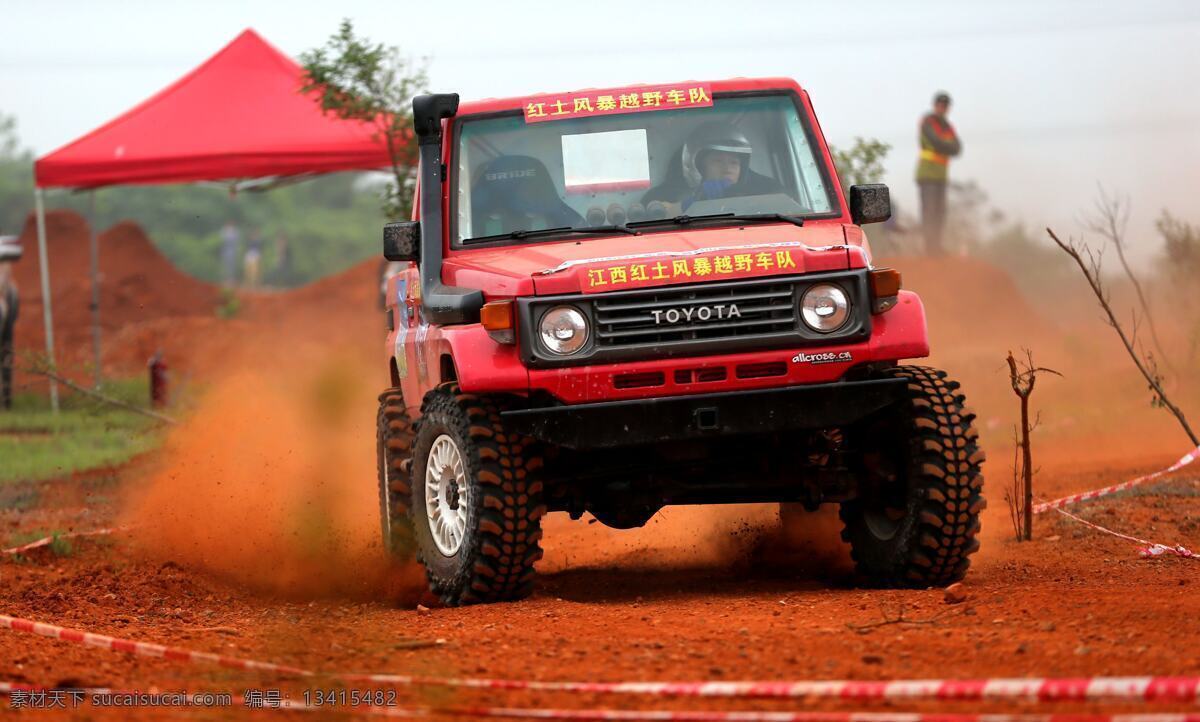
(714, 135)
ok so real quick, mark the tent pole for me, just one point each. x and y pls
(47, 314)
(95, 249)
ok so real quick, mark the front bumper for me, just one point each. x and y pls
(636, 422)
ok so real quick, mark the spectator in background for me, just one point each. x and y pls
(939, 143)
(10, 251)
(252, 262)
(231, 241)
(282, 273)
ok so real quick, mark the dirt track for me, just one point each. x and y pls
(257, 529)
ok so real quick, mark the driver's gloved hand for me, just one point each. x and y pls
(711, 189)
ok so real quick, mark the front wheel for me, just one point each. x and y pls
(476, 503)
(916, 518)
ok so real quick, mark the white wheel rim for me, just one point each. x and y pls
(447, 495)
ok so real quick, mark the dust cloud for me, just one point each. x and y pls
(271, 482)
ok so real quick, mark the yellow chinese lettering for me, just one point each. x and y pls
(637, 272)
(535, 110)
(675, 96)
(605, 102)
(619, 274)
(631, 100)
(596, 278)
(660, 271)
(701, 267)
(680, 268)
(765, 261)
(558, 108)
(743, 262)
(583, 104)
(723, 264)
(783, 259)
(651, 98)
(697, 95)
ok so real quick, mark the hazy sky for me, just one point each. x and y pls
(1050, 98)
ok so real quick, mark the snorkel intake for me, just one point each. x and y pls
(440, 303)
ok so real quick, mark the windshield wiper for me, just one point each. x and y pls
(751, 217)
(523, 234)
(794, 220)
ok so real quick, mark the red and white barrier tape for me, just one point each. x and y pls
(142, 649)
(599, 715)
(1157, 689)
(48, 540)
(603, 715)
(1186, 459)
(1147, 548)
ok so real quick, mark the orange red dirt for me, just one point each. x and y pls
(257, 527)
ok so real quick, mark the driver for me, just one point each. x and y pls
(715, 163)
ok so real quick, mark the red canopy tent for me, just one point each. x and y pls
(238, 115)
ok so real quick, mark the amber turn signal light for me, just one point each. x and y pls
(497, 318)
(885, 287)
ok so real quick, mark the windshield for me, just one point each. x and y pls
(740, 155)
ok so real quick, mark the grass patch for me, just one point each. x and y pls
(60, 545)
(36, 444)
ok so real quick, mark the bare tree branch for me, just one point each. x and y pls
(46, 372)
(1023, 381)
(1111, 221)
(1146, 366)
(1012, 495)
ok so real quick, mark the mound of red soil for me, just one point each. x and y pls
(137, 284)
(346, 297)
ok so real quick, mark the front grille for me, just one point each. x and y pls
(630, 320)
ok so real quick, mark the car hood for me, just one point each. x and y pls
(615, 263)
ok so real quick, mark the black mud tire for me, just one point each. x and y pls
(393, 451)
(919, 526)
(494, 560)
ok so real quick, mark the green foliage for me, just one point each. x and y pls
(16, 178)
(37, 444)
(1181, 265)
(230, 305)
(61, 546)
(1181, 246)
(10, 144)
(360, 80)
(862, 163)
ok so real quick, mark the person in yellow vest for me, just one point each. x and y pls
(939, 143)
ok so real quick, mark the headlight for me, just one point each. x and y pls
(825, 307)
(564, 330)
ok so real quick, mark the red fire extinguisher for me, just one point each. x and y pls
(158, 380)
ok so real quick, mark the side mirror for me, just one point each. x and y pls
(871, 203)
(401, 240)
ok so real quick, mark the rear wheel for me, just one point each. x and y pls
(476, 502)
(393, 448)
(916, 518)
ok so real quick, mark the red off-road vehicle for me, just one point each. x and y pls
(621, 299)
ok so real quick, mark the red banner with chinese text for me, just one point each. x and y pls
(692, 269)
(616, 101)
